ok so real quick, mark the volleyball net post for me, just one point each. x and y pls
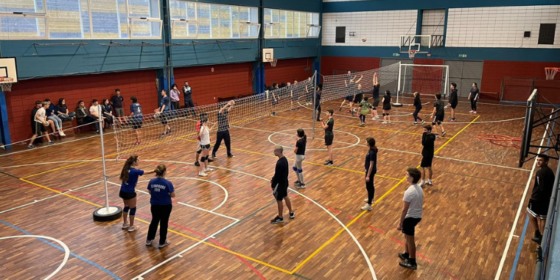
(314, 102)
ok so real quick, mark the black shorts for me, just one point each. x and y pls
(38, 128)
(349, 98)
(136, 125)
(438, 119)
(454, 105)
(358, 98)
(409, 224)
(375, 102)
(127, 195)
(387, 107)
(329, 139)
(537, 209)
(427, 161)
(205, 147)
(163, 117)
(280, 192)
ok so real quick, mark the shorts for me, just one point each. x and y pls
(454, 105)
(409, 224)
(387, 107)
(127, 195)
(119, 112)
(38, 128)
(358, 98)
(136, 124)
(349, 98)
(537, 209)
(427, 161)
(375, 102)
(280, 192)
(438, 119)
(329, 139)
(198, 147)
(205, 147)
(163, 117)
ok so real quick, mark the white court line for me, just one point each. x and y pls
(520, 208)
(351, 145)
(44, 163)
(180, 254)
(48, 197)
(66, 250)
(366, 257)
(192, 206)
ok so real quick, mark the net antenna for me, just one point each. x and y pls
(551, 72)
(8, 73)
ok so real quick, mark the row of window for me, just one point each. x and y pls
(140, 19)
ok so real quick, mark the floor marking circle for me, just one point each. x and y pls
(66, 250)
(339, 148)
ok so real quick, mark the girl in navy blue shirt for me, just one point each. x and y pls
(161, 192)
(473, 97)
(129, 178)
(163, 112)
(417, 107)
(371, 169)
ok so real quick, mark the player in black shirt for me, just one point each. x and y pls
(387, 100)
(453, 101)
(375, 103)
(279, 184)
(329, 136)
(371, 169)
(299, 150)
(428, 140)
(318, 103)
(540, 198)
(473, 97)
(438, 114)
(223, 130)
(417, 107)
(351, 90)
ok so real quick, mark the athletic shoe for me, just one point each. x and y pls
(474, 112)
(30, 146)
(330, 163)
(197, 163)
(414, 123)
(408, 264)
(277, 220)
(470, 111)
(62, 134)
(445, 107)
(451, 120)
(149, 242)
(367, 207)
(362, 125)
(297, 183)
(366, 200)
(301, 186)
(443, 133)
(384, 122)
(124, 226)
(293, 215)
(376, 118)
(339, 109)
(422, 183)
(536, 239)
(202, 174)
(429, 182)
(423, 122)
(164, 244)
(209, 169)
(51, 143)
(210, 160)
(230, 156)
(133, 229)
(389, 121)
(404, 256)
(214, 156)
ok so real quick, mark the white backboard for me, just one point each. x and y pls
(8, 69)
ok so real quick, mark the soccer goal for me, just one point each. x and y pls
(421, 78)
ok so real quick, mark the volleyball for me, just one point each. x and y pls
(364, 40)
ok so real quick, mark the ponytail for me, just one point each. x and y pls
(371, 144)
(126, 168)
(301, 134)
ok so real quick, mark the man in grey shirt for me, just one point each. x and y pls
(410, 217)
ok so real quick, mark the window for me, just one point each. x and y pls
(340, 34)
(213, 21)
(290, 24)
(546, 33)
(79, 19)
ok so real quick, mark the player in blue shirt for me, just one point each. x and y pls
(161, 192)
(163, 112)
(136, 118)
(129, 178)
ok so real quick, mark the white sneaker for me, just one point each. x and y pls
(422, 183)
(367, 207)
(429, 182)
(209, 169)
(470, 111)
(389, 121)
(384, 122)
(62, 134)
(202, 174)
(366, 200)
(376, 118)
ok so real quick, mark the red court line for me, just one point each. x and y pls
(450, 275)
(376, 229)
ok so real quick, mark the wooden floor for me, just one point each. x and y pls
(220, 229)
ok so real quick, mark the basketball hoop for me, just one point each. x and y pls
(412, 53)
(550, 72)
(6, 83)
(273, 62)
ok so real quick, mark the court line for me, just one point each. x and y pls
(74, 255)
(40, 237)
(377, 201)
(339, 148)
(510, 237)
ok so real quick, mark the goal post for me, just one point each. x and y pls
(422, 78)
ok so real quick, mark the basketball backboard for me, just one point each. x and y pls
(8, 70)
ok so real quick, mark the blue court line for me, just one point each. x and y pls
(61, 249)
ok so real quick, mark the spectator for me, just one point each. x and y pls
(107, 110)
(94, 111)
(63, 112)
(161, 192)
(117, 102)
(54, 120)
(540, 197)
(187, 94)
(39, 122)
(82, 114)
(174, 94)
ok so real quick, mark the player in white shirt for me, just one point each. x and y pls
(39, 122)
(410, 217)
(94, 112)
(204, 135)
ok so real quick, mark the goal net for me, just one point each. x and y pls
(424, 79)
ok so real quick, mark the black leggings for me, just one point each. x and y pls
(363, 118)
(370, 189)
(473, 104)
(222, 135)
(318, 108)
(190, 104)
(415, 115)
(160, 215)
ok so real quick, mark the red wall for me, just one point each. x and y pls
(226, 81)
(331, 63)
(494, 71)
(287, 70)
(74, 88)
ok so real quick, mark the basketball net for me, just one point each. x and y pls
(412, 53)
(6, 84)
(273, 62)
(550, 72)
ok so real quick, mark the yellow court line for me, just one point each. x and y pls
(170, 230)
(376, 202)
(355, 126)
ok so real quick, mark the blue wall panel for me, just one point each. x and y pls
(294, 5)
(214, 53)
(386, 5)
(294, 48)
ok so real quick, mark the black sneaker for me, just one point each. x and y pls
(340, 109)
(210, 160)
(50, 143)
(293, 215)
(230, 156)
(30, 146)
(404, 256)
(214, 156)
(301, 186)
(537, 239)
(277, 220)
(297, 183)
(197, 163)
(330, 163)
(408, 264)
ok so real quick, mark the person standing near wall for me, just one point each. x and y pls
(117, 101)
(473, 97)
(174, 94)
(187, 94)
(540, 197)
